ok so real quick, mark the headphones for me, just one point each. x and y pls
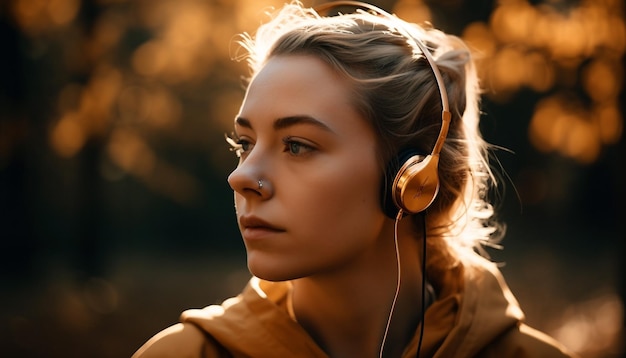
(415, 177)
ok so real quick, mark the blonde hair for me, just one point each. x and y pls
(394, 88)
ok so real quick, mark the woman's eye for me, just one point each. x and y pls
(244, 145)
(295, 147)
(239, 145)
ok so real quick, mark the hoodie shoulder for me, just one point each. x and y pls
(484, 319)
(255, 323)
(182, 340)
(524, 341)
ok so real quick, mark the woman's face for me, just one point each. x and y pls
(318, 208)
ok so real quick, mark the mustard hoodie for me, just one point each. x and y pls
(475, 315)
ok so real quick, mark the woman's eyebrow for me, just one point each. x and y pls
(285, 122)
(242, 122)
(282, 123)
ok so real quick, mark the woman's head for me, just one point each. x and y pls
(392, 86)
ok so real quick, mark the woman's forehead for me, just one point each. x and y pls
(300, 84)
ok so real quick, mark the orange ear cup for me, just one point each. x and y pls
(417, 183)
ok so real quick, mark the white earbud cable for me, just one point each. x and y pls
(399, 272)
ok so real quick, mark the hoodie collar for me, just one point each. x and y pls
(473, 307)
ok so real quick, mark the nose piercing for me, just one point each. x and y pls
(260, 184)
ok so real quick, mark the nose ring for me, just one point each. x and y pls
(260, 184)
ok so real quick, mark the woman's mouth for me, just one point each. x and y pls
(253, 228)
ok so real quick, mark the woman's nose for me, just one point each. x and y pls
(249, 178)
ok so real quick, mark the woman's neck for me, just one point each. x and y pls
(346, 311)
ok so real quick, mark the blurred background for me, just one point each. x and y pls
(115, 214)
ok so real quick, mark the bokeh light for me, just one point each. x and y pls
(542, 47)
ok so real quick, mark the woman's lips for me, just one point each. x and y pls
(253, 227)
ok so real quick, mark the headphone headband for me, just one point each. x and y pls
(415, 178)
(445, 113)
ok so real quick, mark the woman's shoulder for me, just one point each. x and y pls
(214, 331)
(181, 340)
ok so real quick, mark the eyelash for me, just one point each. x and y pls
(240, 146)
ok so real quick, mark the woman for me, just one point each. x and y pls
(361, 198)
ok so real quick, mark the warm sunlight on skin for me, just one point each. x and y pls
(317, 158)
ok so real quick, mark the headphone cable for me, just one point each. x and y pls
(395, 297)
(398, 278)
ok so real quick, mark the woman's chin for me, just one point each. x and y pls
(268, 271)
